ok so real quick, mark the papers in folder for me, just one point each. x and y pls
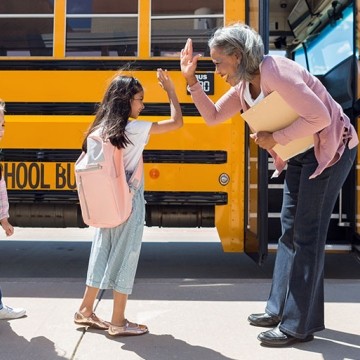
(271, 114)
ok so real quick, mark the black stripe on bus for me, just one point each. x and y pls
(103, 64)
(88, 108)
(150, 156)
(152, 197)
(185, 156)
(186, 198)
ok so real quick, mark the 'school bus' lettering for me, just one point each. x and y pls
(39, 176)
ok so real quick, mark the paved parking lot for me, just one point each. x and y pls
(194, 298)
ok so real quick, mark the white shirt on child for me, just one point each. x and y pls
(137, 132)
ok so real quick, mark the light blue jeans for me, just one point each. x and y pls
(115, 251)
(297, 292)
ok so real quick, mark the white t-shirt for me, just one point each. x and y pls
(137, 132)
(248, 98)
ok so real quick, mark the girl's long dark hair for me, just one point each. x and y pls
(114, 111)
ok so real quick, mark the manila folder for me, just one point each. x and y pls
(272, 114)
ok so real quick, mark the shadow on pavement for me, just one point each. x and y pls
(39, 348)
(165, 347)
(334, 345)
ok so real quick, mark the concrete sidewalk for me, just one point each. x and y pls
(194, 298)
(189, 319)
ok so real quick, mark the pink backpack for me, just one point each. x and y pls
(104, 194)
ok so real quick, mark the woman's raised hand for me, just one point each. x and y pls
(188, 62)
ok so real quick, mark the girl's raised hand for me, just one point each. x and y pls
(164, 80)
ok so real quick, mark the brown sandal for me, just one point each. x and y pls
(129, 329)
(92, 321)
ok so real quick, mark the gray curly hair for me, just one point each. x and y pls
(2, 106)
(244, 41)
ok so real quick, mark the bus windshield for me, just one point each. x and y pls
(330, 47)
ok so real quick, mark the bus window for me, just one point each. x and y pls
(22, 26)
(173, 22)
(333, 45)
(277, 53)
(101, 28)
(299, 57)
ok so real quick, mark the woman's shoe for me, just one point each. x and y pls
(129, 329)
(263, 319)
(92, 321)
(275, 337)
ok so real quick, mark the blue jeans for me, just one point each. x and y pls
(297, 291)
(1, 304)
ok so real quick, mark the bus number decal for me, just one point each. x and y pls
(206, 80)
(39, 176)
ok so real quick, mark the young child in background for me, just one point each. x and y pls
(6, 312)
(115, 251)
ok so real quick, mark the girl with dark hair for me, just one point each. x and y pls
(115, 251)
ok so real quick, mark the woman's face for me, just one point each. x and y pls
(137, 104)
(226, 65)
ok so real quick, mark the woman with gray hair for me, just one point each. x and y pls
(295, 307)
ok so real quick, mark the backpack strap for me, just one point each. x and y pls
(135, 179)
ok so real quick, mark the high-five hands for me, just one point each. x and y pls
(164, 80)
(188, 62)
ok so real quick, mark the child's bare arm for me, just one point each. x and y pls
(176, 120)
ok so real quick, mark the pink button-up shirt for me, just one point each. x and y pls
(319, 114)
(4, 203)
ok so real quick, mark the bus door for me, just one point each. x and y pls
(329, 53)
(320, 36)
(257, 164)
(256, 203)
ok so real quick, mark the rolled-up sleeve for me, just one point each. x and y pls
(214, 113)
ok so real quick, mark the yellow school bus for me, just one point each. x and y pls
(56, 60)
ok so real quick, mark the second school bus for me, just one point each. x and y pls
(56, 60)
